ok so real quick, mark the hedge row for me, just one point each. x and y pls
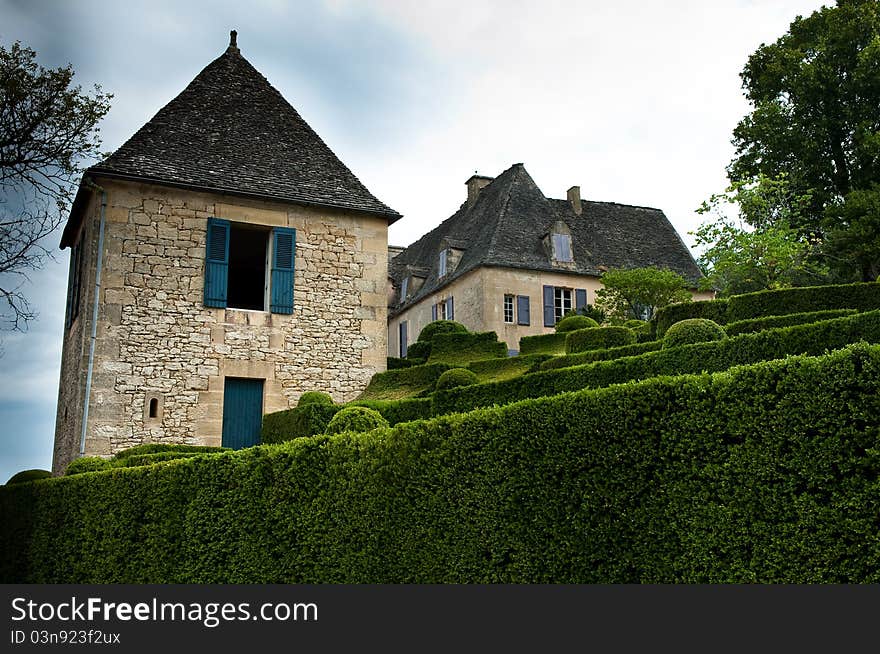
(699, 357)
(543, 344)
(505, 368)
(600, 355)
(766, 474)
(861, 296)
(598, 338)
(312, 419)
(403, 382)
(757, 324)
(459, 349)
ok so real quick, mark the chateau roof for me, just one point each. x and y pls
(507, 224)
(231, 131)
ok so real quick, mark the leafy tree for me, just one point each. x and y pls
(759, 250)
(816, 116)
(47, 130)
(639, 292)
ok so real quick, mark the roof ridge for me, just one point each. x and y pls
(494, 240)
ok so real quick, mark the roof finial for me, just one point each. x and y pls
(233, 41)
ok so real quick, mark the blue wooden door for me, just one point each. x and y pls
(242, 412)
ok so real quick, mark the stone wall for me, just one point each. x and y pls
(156, 339)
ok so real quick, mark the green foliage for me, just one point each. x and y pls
(598, 338)
(593, 312)
(419, 351)
(405, 382)
(639, 292)
(154, 448)
(458, 349)
(714, 310)
(573, 322)
(863, 297)
(87, 464)
(768, 255)
(815, 95)
(607, 354)
(456, 377)
(357, 419)
(744, 349)
(298, 422)
(394, 363)
(314, 397)
(758, 324)
(48, 130)
(763, 474)
(136, 460)
(505, 367)
(543, 344)
(396, 411)
(693, 330)
(28, 475)
(430, 330)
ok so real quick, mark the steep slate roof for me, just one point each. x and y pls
(507, 223)
(231, 131)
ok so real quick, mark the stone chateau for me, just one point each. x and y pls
(223, 261)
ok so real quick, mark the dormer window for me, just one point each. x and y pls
(562, 247)
(404, 289)
(442, 265)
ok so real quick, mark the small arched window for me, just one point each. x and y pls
(154, 408)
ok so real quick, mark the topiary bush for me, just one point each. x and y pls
(693, 330)
(598, 338)
(420, 350)
(456, 377)
(441, 327)
(314, 397)
(571, 323)
(154, 448)
(543, 344)
(87, 464)
(458, 350)
(28, 475)
(356, 418)
(669, 315)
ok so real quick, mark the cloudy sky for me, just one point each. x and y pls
(632, 100)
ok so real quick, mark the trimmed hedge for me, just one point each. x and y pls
(714, 310)
(395, 363)
(314, 397)
(153, 448)
(598, 338)
(418, 351)
(699, 357)
(28, 475)
(693, 330)
(136, 460)
(757, 324)
(456, 377)
(87, 464)
(506, 367)
(406, 382)
(543, 344)
(571, 323)
(457, 349)
(862, 296)
(763, 474)
(600, 355)
(313, 419)
(436, 327)
(356, 419)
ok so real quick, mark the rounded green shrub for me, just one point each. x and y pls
(87, 464)
(28, 475)
(440, 327)
(420, 350)
(356, 418)
(456, 377)
(314, 397)
(693, 330)
(571, 323)
(598, 338)
(635, 323)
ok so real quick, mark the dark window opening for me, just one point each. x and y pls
(154, 407)
(247, 268)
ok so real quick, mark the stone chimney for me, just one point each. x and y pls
(474, 185)
(574, 199)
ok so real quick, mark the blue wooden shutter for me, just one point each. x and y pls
(522, 310)
(549, 313)
(402, 338)
(450, 313)
(216, 262)
(580, 298)
(433, 312)
(283, 258)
